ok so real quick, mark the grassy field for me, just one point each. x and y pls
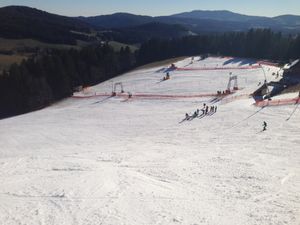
(7, 60)
(19, 44)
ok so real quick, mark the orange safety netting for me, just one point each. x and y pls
(219, 68)
(152, 96)
(278, 102)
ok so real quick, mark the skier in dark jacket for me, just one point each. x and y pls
(195, 114)
(206, 109)
(187, 116)
(264, 125)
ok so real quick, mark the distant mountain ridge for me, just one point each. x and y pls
(117, 20)
(231, 16)
(18, 22)
(25, 22)
(288, 20)
(202, 21)
(217, 15)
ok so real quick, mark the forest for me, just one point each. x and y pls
(256, 44)
(44, 79)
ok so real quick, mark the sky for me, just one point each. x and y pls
(159, 7)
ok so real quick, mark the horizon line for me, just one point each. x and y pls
(138, 14)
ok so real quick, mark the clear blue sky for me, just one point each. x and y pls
(159, 7)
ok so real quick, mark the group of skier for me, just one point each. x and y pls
(206, 110)
(209, 109)
(223, 92)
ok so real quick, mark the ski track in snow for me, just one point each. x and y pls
(109, 161)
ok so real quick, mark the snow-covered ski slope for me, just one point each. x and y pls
(114, 161)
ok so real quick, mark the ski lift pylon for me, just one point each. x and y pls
(232, 78)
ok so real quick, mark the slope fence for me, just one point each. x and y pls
(218, 68)
(278, 102)
(149, 95)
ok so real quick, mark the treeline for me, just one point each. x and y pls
(142, 33)
(261, 43)
(46, 78)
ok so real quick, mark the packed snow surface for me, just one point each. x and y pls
(114, 161)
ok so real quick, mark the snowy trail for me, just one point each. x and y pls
(132, 162)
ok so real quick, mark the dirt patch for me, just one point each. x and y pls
(7, 60)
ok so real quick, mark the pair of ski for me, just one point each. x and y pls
(162, 80)
(260, 131)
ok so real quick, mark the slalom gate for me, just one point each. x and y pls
(279, 102)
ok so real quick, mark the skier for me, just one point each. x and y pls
(195, 114)
(167, 76)
(215, 109)
(264, 125)
(206, 109)
(203, 108)
(187, 116)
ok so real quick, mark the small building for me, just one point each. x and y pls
(291, 77)
(261, 93)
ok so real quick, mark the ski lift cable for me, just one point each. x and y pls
(253, 114)
(266, 81)
(293, 112)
